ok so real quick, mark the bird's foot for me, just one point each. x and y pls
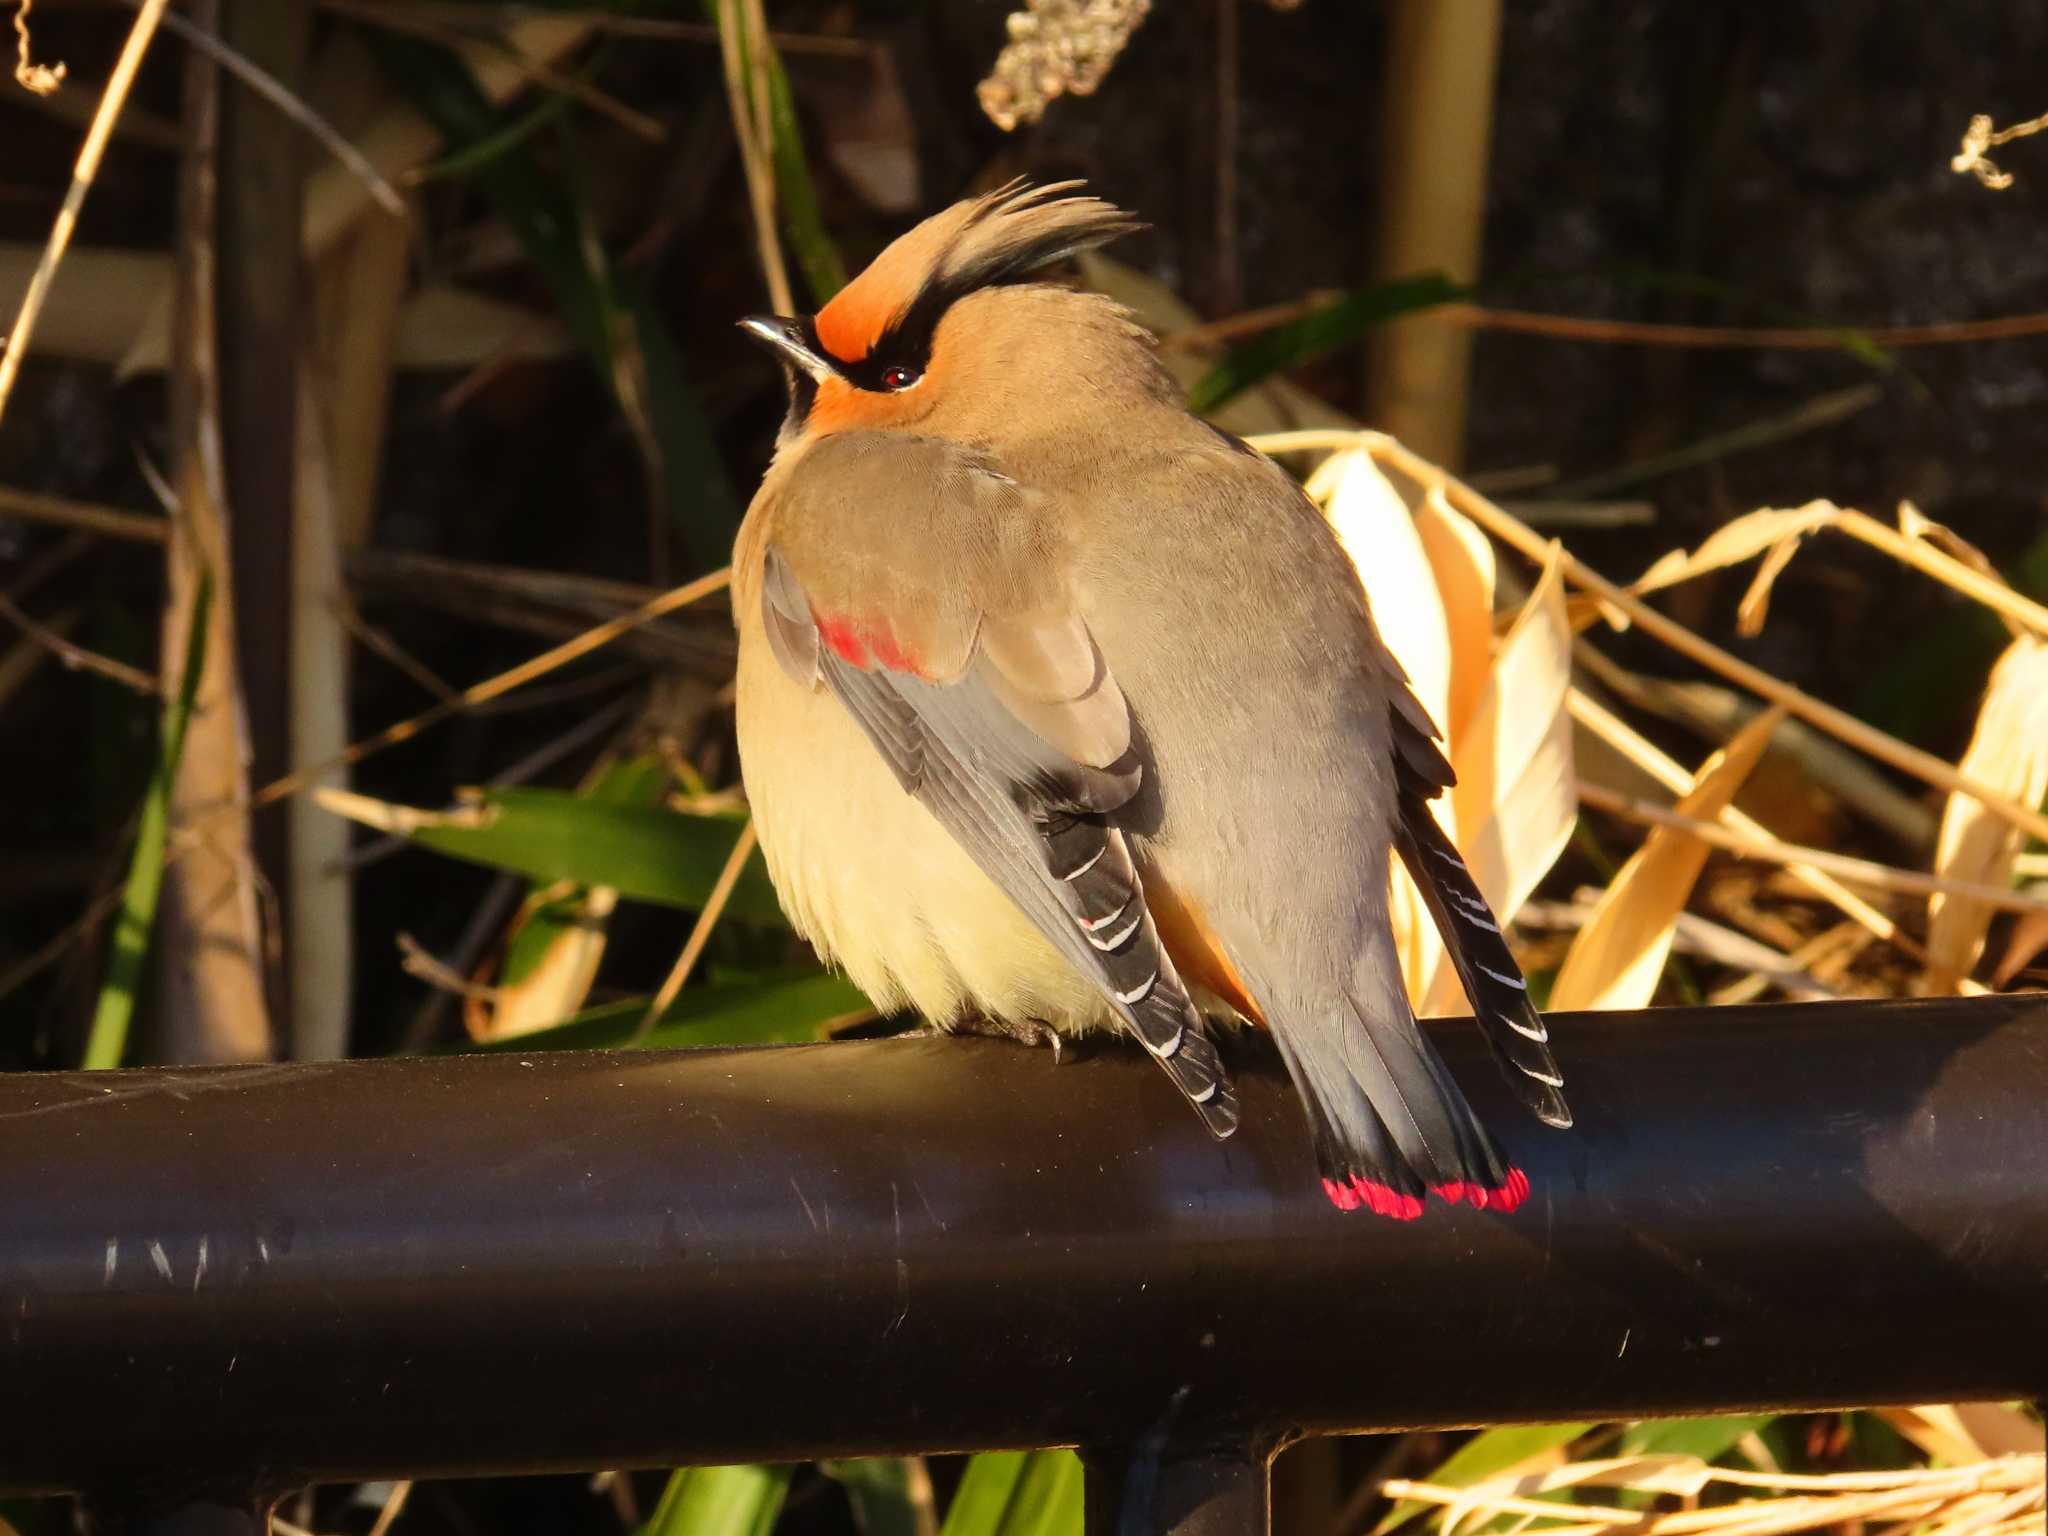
(1034, 1032)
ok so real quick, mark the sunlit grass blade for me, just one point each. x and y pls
(107, 1042)
(720, 1501)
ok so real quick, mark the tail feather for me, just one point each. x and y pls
(1388, 1123)
(1486, 967)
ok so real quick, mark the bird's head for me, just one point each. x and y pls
(942, 335)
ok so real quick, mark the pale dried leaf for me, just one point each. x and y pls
(1378, 533)
(1619, 955)
(1936, 1430)
(2029, 938)
(559, 984)
(2008, 752)
(1516, 799)
(1915, 524)
(1461, 557)
(1374, 525)
(1754, 608)
(1731, 544)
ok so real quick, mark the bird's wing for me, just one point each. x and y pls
(1003, 719)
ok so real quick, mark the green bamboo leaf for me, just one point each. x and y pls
(720, 1501)
(792, 1007)
(1008, 1493)
(1482, 1457)
(107, 1042)
(1323, 330)
(645, 853)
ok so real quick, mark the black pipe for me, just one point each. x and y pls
(247, 1278)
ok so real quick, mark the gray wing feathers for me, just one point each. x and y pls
(1021, 758)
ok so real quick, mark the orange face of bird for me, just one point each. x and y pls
(874, 356)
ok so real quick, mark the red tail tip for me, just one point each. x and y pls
(1385, 1200)
(1340, 1196)
(1504, 1199)
(1512, 1193)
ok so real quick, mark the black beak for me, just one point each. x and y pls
(791, 339)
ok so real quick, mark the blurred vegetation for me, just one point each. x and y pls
(525, 413)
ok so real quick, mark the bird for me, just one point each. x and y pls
(1061, 710)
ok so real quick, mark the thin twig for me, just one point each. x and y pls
(410, 19)
(73, 655)
(491, 688)
(1907, 882)
(526, 769)
(1519, 536)
(294, 107)
(1640, 333)
(35, 507)
(375, 638)
(700, 933)
(468, 12)
(420, 963)
(82, 174)
(1624, 738)
(394, 1502)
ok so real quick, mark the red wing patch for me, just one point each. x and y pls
(866, 646)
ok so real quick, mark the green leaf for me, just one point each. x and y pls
(1708, 1439)
(985, 1491)
(645, 853)
(1483, 1456)
(878, 1488)
(720, 1501)
(780, 1010)
(107, 1042)
(1013, 1493)
(1323, 330)
(609, 312)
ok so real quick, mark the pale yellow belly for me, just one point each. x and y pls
(871, 878)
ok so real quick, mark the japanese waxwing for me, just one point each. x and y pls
(1061, 710)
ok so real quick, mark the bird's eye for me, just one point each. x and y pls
(900, 377)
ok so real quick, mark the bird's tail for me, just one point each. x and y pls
(1390, 1125)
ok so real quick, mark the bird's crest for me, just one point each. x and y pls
(997, 238)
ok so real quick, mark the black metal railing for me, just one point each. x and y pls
(226, 1283)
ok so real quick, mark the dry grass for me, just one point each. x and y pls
(1997, 1496)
